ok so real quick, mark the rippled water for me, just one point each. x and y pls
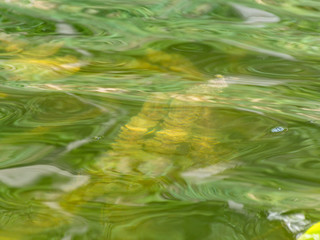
(167, 119)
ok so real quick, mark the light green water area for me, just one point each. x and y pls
(151, 120)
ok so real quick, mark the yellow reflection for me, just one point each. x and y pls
(42, 68)
(313, 233)
(29, 62)
(164, 62)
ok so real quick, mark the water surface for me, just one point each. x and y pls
(168, 119)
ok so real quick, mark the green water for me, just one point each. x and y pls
(168, 119)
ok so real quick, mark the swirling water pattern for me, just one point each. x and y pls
(167, 119)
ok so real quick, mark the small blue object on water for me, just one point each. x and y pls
(277, 129)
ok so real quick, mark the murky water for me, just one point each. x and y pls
(168, 119)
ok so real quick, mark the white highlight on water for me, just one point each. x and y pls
(294, 222)
(26, 176)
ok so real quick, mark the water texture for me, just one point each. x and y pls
(168, 119)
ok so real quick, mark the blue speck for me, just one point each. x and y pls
(277, 129)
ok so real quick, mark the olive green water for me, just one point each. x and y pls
(168, 119)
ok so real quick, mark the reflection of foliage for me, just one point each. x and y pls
(166, 128)
(172, 132)
(126, 42)
(188, 221)
(36, 62)
(165, 62)
(23, 219)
